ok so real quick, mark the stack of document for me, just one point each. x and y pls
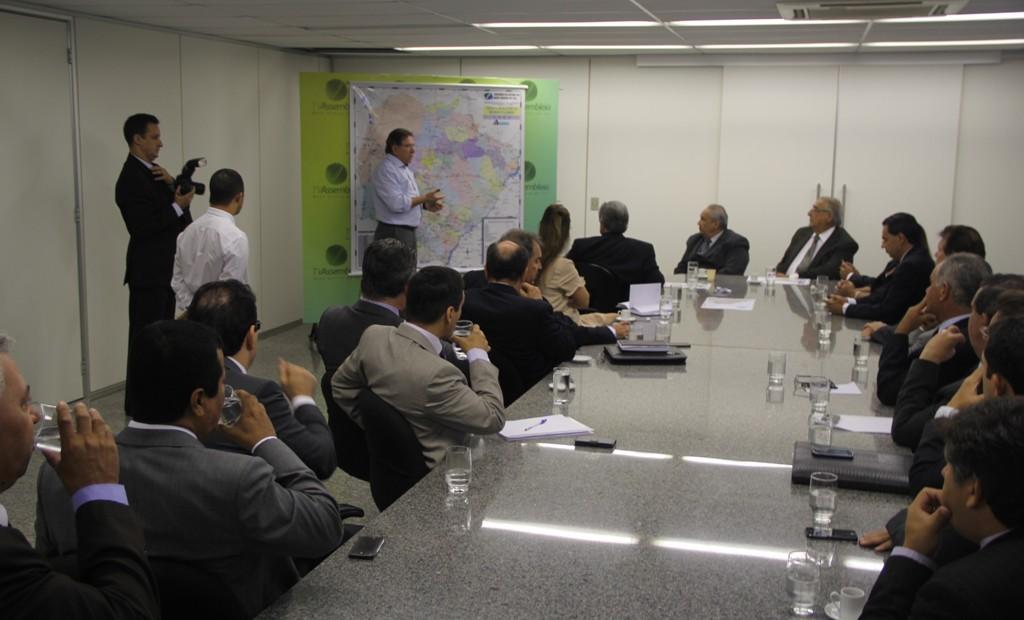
(780, 280)
(643, 346)
(544, 426)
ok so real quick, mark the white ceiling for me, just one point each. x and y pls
(351, 26)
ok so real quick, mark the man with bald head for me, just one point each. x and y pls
(715, 246)
(527, 339)
(819, 248)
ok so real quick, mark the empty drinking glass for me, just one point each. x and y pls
(47, 434)
(232, 409)
(823, 501)
(802, 578)
(458, 469)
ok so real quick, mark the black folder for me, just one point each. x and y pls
(674, 355)
(868, 471)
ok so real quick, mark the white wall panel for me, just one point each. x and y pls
(989, 185)
(410, 66)
(654, 136)
(121, 71)
(280, 185)
(778, 128)
(39, 268)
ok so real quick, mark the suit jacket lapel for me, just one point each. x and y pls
(406, 331)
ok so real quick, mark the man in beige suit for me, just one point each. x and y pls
(404, 367)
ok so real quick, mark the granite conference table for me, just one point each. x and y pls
(692, 516)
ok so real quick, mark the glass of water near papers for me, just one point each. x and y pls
(822, 499)
(47, 434)
(802, 578)
(769, 276)
(458, 469)
(691, 272)
(776, 368)
(861, 350)
(561, 389)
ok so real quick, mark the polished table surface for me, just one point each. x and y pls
(691, 516)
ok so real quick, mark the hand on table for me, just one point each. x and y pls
(879, 540)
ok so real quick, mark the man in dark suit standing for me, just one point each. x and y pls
(229, 308)
(981, 497)
(900, 285)
(115, 580)
(154, 213)
(526, 337)
(715, 246)
(819, 248)
(631, 260)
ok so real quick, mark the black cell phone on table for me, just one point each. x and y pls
(366, 547)
(595, 442)
(840, 535)
(832, 453)
(804, 381)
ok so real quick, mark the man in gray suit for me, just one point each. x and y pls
(404, 367)
(240, 518)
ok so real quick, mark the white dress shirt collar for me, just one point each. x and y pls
(221, 213)
(144, 162)
(142, 426)
(435, 342)
(951, 321)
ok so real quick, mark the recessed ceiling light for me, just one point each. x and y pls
(469, 48)
(763, 22)
(619, 24)
(961, 17)
(773, 46)
(618, 47)
(1001, 42)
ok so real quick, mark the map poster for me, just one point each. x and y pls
(469, 144)
(328, 246)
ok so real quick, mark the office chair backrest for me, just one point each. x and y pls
(606, 289)
(349, 440)
(188, 591)
(396, 456)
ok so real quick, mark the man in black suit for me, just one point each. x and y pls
(527, 339)
(900, 285)
(819, 248)
(981, 497)
(947, 303)
(229, 308)
(631, 260)
(715, 246)
(115, 580)
(154, 213)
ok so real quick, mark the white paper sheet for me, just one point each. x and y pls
(865, 424)
(846, 388)
(645, 299)
(728, 303)
(544, 426)
(783, 281)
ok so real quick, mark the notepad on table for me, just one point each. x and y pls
(645, 299)
(544, 426)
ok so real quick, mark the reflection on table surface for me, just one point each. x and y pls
(692, 515)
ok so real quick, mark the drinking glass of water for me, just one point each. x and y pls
(691, 273)
(823, 501)
(861, 350)
(802, 578)
(232, 409)
(47, 434)
(819, 429)
(776, 367)
(561, 389)
(823, 318)
(458, 469)
(819, 390)
(463, 328)
(769, 276)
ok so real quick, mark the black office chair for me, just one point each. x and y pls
(349, 439)
(188, 591)
(509, 379)
(396, 456)
(606, 289)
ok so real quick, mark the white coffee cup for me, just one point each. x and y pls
(850, 602)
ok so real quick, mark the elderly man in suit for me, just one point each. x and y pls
(981, 497)
(229, 308)
(240, 517)
(819, 248)
(115, 580)
(631, 260)
(403, 366)
(715, 246)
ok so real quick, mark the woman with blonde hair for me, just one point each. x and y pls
(559, 281)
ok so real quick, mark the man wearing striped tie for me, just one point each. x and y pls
(819, 249)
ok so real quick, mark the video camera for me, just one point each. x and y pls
(183, 183)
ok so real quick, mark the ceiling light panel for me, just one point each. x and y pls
(946, 32)
(776, 34)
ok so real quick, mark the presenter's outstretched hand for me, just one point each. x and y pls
(435, 201)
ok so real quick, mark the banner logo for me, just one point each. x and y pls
(336, 90)
(531, 171)
(531, 90)
(336, 255)
(336, 174)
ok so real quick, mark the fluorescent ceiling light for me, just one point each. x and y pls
(960, 17)
(619, 24)
(705, 460)
(773, 46)
(945, 43)
(468, 48)
(618, 47)
(702, 546)
(557, 531)
(763, 22)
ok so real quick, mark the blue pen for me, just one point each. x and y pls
(533, 426)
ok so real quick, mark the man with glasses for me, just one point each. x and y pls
(395, 195)
(819, 248)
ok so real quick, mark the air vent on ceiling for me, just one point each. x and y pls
(868, 9)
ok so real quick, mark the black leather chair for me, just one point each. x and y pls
(606, 289)
(396, 456)
(188, 591)
(509, 379)
(349, 439)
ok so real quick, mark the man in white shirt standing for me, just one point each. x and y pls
(213, 247)
(394, 194)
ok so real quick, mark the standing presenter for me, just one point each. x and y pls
(395, 195)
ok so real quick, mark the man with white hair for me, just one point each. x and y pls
(631, 260)
(819, 248)
(715, 246)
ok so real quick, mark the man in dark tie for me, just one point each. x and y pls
(820, 247)
(715, 246)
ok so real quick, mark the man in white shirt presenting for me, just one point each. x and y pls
(395, 195)
(213, 247)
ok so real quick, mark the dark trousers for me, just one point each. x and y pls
(405, 234)
(146, 304)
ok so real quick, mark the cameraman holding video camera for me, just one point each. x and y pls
(154, 210)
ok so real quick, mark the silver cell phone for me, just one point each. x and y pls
(366, 547)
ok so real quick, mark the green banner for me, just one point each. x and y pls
(326, 237)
